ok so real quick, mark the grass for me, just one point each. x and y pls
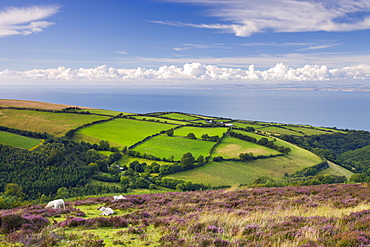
(120, 132)
(244, 125)
(162, 120)
(279, 130)
(18, 141)
(308, 131)
(230, 147)
(106, 112)
(257, 136)
(179, 116)
(199, 131)
(232, 172)
(337, 170)
(164, 146)
(57, 124)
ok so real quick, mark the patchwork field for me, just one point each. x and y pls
(232, 172)
(257, 136)
(164, 146)
(19, 141)
(230, 147)
(308, 131)
(245, 125)
(57, 124)
(279, 130)
(162, 120)
(199, 131)
(120, 132)
(179, 116)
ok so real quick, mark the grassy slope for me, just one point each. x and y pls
(337, 170)
(53, 123)
(179, 116)
(165, 146)
(230, 147)
(253, 135)
(162, 120)
(278, 130)
(308, 131)
(18, 140)
(230, 172)
(199, 131)
(120, 132)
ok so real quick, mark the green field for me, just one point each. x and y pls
(18, 141)
(337, 170)
(230, 147)
(199, 131)
(308, 131)
(232, 172)
(120, 132)
(57, 124)
(162, 120)
(106, 112)
(279, 130)
(179, 116)
(164, 146)
(245, 125)
(257, 136)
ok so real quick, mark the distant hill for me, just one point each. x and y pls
(120, 151)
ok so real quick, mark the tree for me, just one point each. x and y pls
(169, 132)
(104, 145)
(200, 160)
(191, 136)
(62, 192)
(12, 189)
(188, 160)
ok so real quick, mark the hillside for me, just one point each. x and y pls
(119, 151)
(324, 215)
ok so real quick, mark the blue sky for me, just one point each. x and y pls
(202, 40)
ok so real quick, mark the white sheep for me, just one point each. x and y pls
(56, 204)
(106, 211)
(120, 197)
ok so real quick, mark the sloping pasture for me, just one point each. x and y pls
(279, 130)
(179, 116)
(18, 141)
(120, 132)
(230, 147)
(245, 125)
(56, 124)
(232, 172)
(106, 112)
(162, 120)
(199, 131)
(308, 131)
(257, 136)
(164, 146)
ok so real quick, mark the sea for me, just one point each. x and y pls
(340, 109)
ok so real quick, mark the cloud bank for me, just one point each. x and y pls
(246, 17)
(25, 21)
(195, 72)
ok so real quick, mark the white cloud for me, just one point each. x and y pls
(196, 72)
(25, 21)
(247, 17)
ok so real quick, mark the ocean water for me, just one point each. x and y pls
(344, 110)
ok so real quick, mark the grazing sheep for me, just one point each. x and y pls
(106, 211)
(120, 197)
(56, 204)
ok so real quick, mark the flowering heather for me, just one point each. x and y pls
(319, 215)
